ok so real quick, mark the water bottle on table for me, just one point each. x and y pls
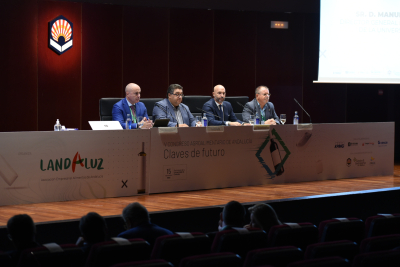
(128, 124)
(57, 126)
(296, 118)
(204, 121)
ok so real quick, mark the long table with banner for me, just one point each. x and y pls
(58, 166)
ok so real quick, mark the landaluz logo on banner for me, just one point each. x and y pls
(65, 163)
(60, 34)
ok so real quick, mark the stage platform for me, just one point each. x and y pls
(156, 203)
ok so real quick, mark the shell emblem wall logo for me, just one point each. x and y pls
(60, 34)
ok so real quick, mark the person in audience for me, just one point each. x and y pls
(261, 107)
(22, 233)
(262, 216)
(93, 230)
(138, 225)
(232, 216)
(218, 111)
(172, 108)
(131, 105)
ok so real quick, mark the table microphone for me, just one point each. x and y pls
(209, 113)
(303, 109)
(244, 108)
(166, 111)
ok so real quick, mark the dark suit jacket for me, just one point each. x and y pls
(252, 108)
(148, 231)
(211, 108)
(164, 110)
(121, 108)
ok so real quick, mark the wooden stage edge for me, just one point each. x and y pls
(72, 210)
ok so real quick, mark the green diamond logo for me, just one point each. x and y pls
(261, 160)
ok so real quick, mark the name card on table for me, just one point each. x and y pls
(215, 129)
(261, 127)
(167, 130)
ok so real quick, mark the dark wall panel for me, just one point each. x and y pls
(59, 76)
(191, 50)
(280, 60)
(235, 51)
(145, 49)
(18, 65)
(101, 57)
(326, 103)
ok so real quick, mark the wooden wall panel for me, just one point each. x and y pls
(280, 60)
(191, 50)
(101, 57)
(59, 76)
(326, 103)
(18, 65)
(145, 49)
(235, 51)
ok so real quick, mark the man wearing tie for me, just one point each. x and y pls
(261, 107)
(172, 108)
(131, 105)
(218, 111)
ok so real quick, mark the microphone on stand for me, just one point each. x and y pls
(209, 113)
(244, 108)
(166, 111)
(303, 109)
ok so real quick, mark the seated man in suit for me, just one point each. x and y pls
(261, 107)
(131, 105)
(138, 225)
(172, 108)
(218, 111)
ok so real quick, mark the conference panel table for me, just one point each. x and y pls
(58, 166)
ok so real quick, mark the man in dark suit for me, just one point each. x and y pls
(131, 105)
(172, 108)
(138, 225)
(261, 107)
(218, 111)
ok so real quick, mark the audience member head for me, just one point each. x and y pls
(21, 230)
(135, 214)
(232, 215)
(219, 94)
(175, 94)
(132, 92)
(263, 216)
(93, 228)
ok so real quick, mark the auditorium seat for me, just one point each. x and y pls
(343, 248)
(106, 105)
(341, 229)
(237, 108)
(118, 250)
(194, 102)
(224, 259)
(380, 243)
(276, 256)
(239, 241)
(293, 234)
(175, 247)
(52, 254)
(322, 262)
(147, 263)
(387, 258)
(382, 224)
(149, 103)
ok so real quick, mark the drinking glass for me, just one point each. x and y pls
(252, 119)
(140, 121)
(283, 118)
(198, 121)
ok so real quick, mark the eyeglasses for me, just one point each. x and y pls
(269, 95)
(178, 95)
